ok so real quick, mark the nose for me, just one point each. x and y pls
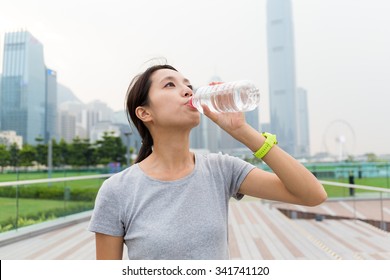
(188, 92)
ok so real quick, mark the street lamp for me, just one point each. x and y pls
(128, 134)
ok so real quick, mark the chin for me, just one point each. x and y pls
(196, 122)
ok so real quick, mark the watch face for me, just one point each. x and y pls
(270, 138)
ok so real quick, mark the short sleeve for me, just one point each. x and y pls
(106, 216)
(236, 170)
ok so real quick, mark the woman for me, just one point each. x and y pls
(172, 203)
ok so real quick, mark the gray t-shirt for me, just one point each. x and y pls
(180, 219)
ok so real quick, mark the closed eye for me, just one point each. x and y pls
(190, 86)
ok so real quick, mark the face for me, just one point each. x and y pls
(169, 97)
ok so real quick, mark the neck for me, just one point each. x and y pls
(171, 150)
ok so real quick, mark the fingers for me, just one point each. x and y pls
(215, 83)
(211, 115)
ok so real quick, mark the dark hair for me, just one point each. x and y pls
(138, 95)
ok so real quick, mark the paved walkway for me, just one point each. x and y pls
(373, 211)
(257, 230)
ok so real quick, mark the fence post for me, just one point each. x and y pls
(383, 224)
(66, 196)
(352, 182)
(17, 207)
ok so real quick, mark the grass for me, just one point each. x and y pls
(381, 182)
(9, 177)
(32, 206)
(32, 211)
(74, 184)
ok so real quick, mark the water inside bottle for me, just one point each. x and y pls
(228, 97)
(231, 98)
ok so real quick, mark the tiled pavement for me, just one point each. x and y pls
(257, 230)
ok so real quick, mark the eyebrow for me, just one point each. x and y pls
(172, 78)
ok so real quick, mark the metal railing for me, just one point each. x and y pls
(383, 192)
(17, 185)
(52, 180)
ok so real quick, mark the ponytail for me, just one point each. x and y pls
(146, 148)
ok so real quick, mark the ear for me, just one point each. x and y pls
(143, 114)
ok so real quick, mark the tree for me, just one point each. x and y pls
(89, 153)
(81, 153)
(41, 148)
(14, 155)
(27, 155)
(110, 149)
(63, 152)
(56, 153)
(4, 157)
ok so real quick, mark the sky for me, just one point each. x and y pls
(342, 53)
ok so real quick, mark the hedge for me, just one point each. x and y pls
(52, 192)
(39, 217)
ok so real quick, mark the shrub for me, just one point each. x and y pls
(52, 192)
(42, 216)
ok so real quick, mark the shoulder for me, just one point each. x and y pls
(120, 180)
(220, 159)
(217, 157)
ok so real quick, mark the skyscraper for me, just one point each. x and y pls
(51, 125)
(303, 148)
(281, 70)
(22, 99)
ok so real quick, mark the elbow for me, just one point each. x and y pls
(318, 197)
(318, 200)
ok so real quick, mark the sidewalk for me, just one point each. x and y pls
(27, 232)
(257, 230)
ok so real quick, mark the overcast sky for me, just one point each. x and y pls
(342, 52)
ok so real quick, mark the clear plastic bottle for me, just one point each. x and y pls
(238, 96)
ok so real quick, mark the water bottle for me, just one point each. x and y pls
(238, 96)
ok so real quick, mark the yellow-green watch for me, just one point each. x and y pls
(270, 141)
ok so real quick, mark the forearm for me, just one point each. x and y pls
(297, 180)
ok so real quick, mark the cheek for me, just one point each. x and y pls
(164, 114)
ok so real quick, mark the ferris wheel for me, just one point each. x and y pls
(339, 139)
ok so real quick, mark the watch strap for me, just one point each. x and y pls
(270, 141)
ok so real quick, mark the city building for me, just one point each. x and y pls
(303, 148)
(129, 134)
(98, 130)
(67, 124)
(23, 93)
(10, 137)
(71, 122)
(281, 72)
(51, 110)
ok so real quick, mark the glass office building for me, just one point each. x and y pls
(303, 149)
(22, 100)
(281, 69)
(51, 131)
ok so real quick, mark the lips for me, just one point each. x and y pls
(189, 103)
(192, 108)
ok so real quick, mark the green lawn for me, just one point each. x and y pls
(33, 206)
(32, 211)
(381, 182)
(9, 177)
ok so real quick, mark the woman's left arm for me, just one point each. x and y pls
(291, 182)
